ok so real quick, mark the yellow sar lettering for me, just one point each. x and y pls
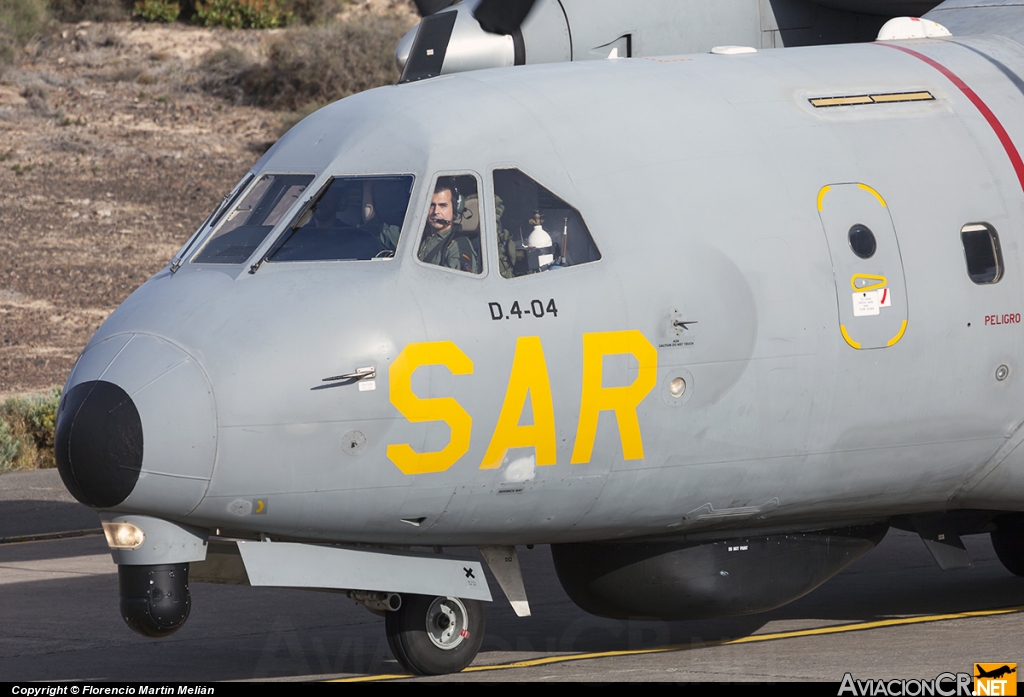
(528, 378)
(418, 410)
(621, 400)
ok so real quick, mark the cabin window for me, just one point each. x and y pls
(261, 208)
(862, 241)
(982, 253)
(537, 231)
(451, 234)
(352, 218)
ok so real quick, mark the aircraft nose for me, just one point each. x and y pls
(99, 443)
(137, 427)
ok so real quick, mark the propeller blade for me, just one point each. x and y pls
(429, 7)
(502, 16)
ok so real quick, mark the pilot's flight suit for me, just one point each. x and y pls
(506, 246)
(452, 249)
(387, 234)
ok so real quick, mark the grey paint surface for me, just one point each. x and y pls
(288, 565)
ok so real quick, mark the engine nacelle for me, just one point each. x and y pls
(688, 580)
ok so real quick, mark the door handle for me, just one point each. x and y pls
(366, 373)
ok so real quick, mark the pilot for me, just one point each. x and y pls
(443, 242)
(338, 217)
(325, 215)
(507, 253)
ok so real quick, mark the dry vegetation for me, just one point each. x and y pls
(312, 66)
(117, 139)
(27, 430)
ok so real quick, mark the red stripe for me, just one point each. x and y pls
(1004, 137)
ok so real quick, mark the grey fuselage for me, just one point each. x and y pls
(701, 179)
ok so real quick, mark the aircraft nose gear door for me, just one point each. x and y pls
(867, 265)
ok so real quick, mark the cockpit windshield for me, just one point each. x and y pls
(243, 229)
(353, 218)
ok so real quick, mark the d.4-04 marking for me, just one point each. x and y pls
(535, 308)
(528, 377)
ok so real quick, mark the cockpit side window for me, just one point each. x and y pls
(261, 208)
(537, 231)
(352, 218)
(451, 236)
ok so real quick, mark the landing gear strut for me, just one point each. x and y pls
(435, 635)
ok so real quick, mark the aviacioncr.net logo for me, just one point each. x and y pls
(944, 685)
(995, 679)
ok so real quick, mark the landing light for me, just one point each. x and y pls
(677, 387)
(123, 535)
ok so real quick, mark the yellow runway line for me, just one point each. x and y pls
(795, 634)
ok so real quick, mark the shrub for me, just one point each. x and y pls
(157, 10)
(317, 65)
(243, 14)
(90, 10)
(20, 20)
(9, 447)
(222, 73)
(315, 11)
(27, 427)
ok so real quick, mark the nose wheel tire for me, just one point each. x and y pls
(435, 635)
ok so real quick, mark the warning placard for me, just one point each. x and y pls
(865, 303)
(869, 302)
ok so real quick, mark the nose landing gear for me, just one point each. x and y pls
(435, 635)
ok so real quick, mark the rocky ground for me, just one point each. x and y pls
(110, 157)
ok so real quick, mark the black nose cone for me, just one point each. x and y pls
(99, 443)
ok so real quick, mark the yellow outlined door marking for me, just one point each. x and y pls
(875, 314)
(899, 334)
(851, 342)
(871, 191)
(879, 281)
